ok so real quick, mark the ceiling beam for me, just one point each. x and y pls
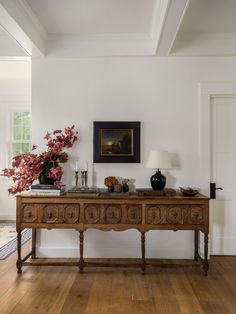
(167, 18)
(19, 21)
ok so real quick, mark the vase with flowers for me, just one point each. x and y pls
(45, 166)
(110, 183)
(125, 186)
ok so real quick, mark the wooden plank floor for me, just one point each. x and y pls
(117, 290)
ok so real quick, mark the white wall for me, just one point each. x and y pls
(15, 94)
(162, 93)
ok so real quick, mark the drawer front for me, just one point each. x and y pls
(113, 214)
(71, 213)
(92, 214)
(30, 213)
(174, 215)
(196, 215)
(134, 214)
(153, 214)
(53, 214)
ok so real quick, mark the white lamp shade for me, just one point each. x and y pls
(158, 159)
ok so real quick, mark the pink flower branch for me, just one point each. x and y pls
(26, 168)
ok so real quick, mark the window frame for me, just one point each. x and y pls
(10, 132)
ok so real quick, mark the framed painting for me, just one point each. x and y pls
(116, 142)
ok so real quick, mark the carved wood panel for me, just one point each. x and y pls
(174, 215)
(134, 214)
(71, 213)
(30, 213)
(153, 214)
(113, 214)
(123, 211)
(52, 213)
(92, 213)
(196, 215)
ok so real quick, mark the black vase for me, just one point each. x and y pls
(158, 181)
(125, 188)
(43, 177)
(110, 188)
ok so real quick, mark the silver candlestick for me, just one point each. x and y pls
(76, 178)
(84, 177)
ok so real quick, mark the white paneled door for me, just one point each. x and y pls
(223, 173)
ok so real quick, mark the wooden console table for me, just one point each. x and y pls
(112, 212)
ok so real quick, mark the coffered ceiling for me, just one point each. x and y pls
(93, 16)
(208, 28)
(210, 16)
(93, 28)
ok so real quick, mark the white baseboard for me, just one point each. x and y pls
(8, 217)
(102, 252)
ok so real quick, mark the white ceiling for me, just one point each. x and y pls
(94, 28)
(208, 28)
(210, 16)
(93, 16)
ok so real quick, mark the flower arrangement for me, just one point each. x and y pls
(28, 167)
(110, 181)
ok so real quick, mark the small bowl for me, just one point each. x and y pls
(188, 191)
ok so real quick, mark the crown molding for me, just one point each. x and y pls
(101, 45)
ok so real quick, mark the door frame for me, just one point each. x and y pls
(207, 91)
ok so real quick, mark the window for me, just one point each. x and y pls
(20, 133)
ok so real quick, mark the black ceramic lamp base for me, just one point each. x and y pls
(158, 181)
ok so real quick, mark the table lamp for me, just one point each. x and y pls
(158, 159)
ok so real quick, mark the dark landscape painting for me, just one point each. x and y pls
(117, 142)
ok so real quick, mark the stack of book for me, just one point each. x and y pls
(46, 189)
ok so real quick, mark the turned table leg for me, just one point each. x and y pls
(196, 244)
(205, 261)
(81, 246)
(19, 261)
(143, 265)
(33, 243)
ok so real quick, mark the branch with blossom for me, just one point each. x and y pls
(26, 168)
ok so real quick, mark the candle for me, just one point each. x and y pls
(76, 166)
(86, 165)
